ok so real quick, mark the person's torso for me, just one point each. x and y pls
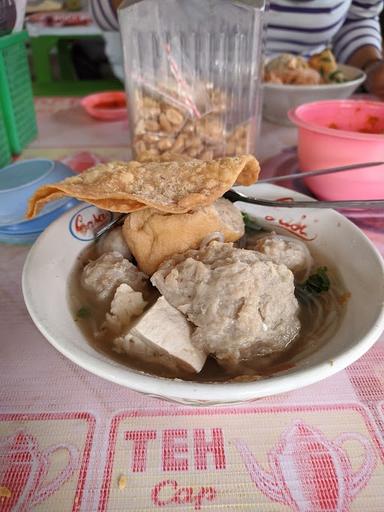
(303, 26)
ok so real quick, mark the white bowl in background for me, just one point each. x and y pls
(278, 99)
(49, 264)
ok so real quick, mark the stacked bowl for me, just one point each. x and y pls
(18, 182)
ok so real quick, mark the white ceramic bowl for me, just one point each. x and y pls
(49, 263)
(278, 99)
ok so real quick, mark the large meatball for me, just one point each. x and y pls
(242, 304)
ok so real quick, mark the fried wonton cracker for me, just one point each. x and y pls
(248, 175)
(174, 186)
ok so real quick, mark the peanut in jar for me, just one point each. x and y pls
(167, 127)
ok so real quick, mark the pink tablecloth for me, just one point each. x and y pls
(72, 441)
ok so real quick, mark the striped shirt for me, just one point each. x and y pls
(301, 26)
(308, 26)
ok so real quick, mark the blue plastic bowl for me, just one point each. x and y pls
(27, 232)
(20, 180)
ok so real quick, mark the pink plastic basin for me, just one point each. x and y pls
(335, 132)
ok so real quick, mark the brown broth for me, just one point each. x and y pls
(305, 344)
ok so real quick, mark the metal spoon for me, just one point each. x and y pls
(109, 225)
(358, 203)
(233, 196)
(237, 196)
(319, 172)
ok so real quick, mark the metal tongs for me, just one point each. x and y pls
(234, 196)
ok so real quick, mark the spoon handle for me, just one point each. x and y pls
(110, 225)
(320, 172)
(365, 204)
(233, 196)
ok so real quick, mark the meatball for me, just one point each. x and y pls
(285, 250)
(113, 241)
(101, 277)
(242, 304)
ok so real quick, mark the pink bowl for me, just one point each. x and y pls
(341, 132)
(106, 106)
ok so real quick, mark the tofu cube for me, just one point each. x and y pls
(162, 336)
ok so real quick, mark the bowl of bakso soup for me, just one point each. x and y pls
(191, 298)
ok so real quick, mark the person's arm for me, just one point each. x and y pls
(359, 42)
(371, 61)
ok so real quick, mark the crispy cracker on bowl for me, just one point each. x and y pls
(248, 175)
(175, 186)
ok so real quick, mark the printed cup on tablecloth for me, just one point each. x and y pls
(288, 457)
(23, 468)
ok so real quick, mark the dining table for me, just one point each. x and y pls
(72, 441)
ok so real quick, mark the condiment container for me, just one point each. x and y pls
(192, 76)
